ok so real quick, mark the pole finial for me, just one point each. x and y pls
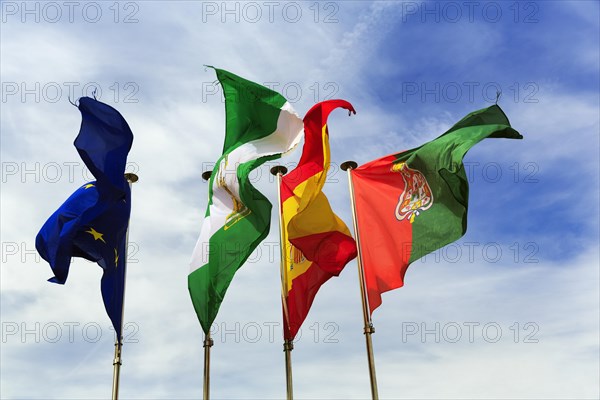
(348, 165)
(206, 175)
(131, 177)
(279, 169)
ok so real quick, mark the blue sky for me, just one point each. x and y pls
(524, 278)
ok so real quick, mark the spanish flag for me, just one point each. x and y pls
(317, 243)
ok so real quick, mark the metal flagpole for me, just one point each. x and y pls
(288, 345)
(117, 361)
(369, 329)
(208, 342)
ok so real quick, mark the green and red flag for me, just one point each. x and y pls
(415, 202)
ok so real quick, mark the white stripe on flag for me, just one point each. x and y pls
(286, 137)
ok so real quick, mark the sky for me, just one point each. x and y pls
(509, 311)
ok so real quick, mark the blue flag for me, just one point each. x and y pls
(92, 223)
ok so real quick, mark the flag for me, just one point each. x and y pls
(92, 222)
(317, 242)
(261, 125)
(415, 202)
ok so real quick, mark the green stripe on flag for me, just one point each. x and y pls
(252, 110)
(441, 162)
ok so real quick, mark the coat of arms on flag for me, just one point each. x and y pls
(416, 196)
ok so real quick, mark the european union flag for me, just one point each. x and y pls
(92, 223)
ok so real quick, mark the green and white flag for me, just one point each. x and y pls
(261, 125)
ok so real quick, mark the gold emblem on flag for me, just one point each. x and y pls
(416, 196)
(296, 256)
(239, 210)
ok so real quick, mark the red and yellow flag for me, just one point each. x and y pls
(317, 243)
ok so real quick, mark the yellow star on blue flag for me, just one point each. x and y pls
(95, 234)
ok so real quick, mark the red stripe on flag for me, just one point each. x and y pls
(312, 159)
(385, 242)
(301, 296)
(330, 250)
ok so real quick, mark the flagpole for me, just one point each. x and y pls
(288, 345)
(117, 361)
(208, 342)
(368, 329)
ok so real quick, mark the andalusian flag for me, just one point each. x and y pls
(412, 203)
(261, 125)
(92, 222)
(317, 243)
